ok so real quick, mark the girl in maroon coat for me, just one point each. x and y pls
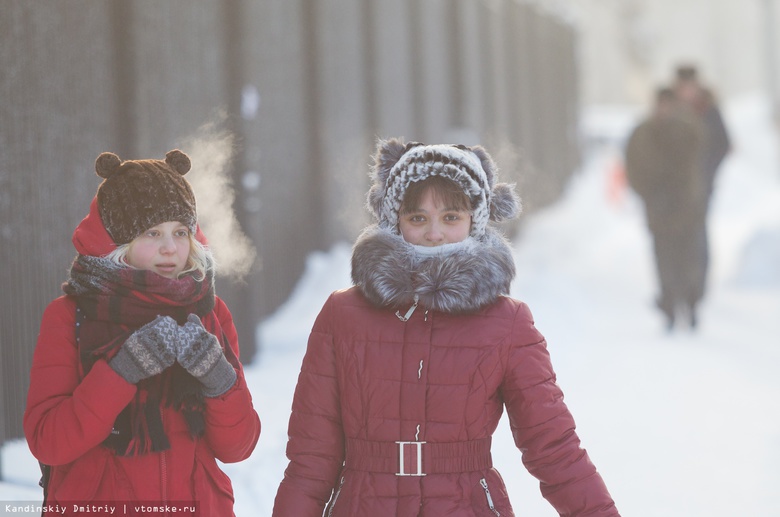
(407, 373)
(136, 388)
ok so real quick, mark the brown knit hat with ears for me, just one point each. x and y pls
(138, 194)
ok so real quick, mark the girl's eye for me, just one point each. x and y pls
(153, 233)
(183, 233)
(417, 219)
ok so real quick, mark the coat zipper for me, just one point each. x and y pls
(335, 497)
(164, 474)
(164, 470)
(492, 507)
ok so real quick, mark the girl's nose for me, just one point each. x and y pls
(167, 245)
(434, 233)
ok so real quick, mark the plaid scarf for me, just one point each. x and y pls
(114, 301)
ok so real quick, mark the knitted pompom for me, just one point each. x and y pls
(505, 204)
(178, 161)
(107, 164)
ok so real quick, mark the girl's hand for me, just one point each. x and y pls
(200, 354)
(148, 351)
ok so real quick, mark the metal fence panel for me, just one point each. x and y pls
(301, 89)
(56, 111)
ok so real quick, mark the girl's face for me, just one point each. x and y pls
(433, 224)
(163, 249)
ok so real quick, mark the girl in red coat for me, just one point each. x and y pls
(407, 373)
(136, 388)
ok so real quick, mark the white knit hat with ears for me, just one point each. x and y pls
(397, 164)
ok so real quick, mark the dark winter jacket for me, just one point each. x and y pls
(70, 414)
(438, 382)
(663, 166)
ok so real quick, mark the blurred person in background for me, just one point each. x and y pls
(663, 156)
(700, 100)
(716, 144)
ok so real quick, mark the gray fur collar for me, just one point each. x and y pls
(390, 272)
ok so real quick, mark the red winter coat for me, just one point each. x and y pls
(68, 417)
(370, 380)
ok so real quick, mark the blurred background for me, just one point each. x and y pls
(279, 104)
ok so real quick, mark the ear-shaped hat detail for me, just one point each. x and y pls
(504, 201)
(488, 165)
(388, 152)
(107, 164)
(178, 161)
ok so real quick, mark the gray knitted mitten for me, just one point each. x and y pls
(200, 354)
(148, 351)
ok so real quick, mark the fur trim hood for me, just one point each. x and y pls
(457, 278)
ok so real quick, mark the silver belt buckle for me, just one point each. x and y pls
(401, 466)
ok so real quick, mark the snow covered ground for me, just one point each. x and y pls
(682, 424)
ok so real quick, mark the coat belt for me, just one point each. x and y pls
(418, 458)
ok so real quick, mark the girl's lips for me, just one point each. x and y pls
(166, 268)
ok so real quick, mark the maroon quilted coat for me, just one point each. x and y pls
(439, 380)
(69, 414)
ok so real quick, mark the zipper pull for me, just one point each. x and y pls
(409, 313)
(336, 496)
(492, 506)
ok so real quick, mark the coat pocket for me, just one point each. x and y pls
(93, 476)
(489, 497)
(212, 488)
(335, 498)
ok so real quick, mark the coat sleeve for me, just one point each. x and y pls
(718, 141)
(640, 157)
(232, 424)
(67, 415)
(544, 430)
(316, 444)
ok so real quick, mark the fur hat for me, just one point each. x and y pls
(138, 194)
(396, 165)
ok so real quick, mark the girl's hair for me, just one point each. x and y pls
(444, 191)
(198, 261)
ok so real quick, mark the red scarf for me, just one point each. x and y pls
(113, 302)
